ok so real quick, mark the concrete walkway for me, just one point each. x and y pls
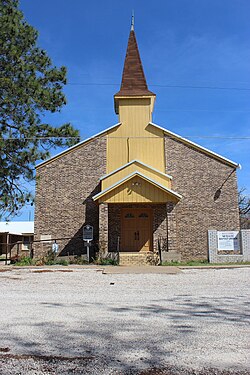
(171, 270)
(141, 270)
(99, 268)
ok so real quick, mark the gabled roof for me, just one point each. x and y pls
(196, 146)
(136, 173)
(133, 78)
(78, 145)
(139, 162)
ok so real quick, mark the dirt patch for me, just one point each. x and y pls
(4, 350)
(44, 357)
(171, 370)
(42, 271)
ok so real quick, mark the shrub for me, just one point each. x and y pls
(24, 261)
(106, 261)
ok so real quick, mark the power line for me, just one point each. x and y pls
(139, 137)
(164, 86)
(201, 110)
(35, 138)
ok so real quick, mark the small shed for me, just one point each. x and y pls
(16, 238)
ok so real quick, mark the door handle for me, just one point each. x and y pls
(136, 235)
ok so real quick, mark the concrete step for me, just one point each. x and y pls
(138, 258)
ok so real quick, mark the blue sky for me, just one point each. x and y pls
(181, 42)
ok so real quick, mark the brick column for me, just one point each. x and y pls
(103, 229)
(171, 227)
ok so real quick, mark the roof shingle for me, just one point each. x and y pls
(133, 78)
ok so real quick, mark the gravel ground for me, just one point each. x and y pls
(84, 322)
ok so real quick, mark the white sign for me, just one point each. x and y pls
(55, 247)
(228, 240)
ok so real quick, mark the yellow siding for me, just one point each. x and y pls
(148, 172)
(137, 190)
(134, 138)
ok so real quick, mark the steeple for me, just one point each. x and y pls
(133, 79)
(132, 22)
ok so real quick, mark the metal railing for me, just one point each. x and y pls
(118, 249)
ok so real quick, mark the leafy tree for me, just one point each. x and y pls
(244, 209)
(29, 87)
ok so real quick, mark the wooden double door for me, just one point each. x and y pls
(136, 229)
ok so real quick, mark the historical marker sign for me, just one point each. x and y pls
(228, 240)
(87, 233)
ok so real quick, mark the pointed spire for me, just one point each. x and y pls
(133, 78)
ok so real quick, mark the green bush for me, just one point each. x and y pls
(106, 262)
(61, 262)
(24, 261)
(78, 260)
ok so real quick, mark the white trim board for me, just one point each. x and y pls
(139, 162)
(77, 145)
(198, 147)
(128, 177)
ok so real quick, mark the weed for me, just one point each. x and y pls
(106, 262)
(78, 260)
(24, 261)
(197, 263)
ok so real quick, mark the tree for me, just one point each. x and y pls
(30, 86)
(244, 209)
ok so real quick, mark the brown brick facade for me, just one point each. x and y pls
(66, 185)
(64, 191)
(197, 177)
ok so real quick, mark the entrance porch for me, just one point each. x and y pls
(141, 233)
(136, 214)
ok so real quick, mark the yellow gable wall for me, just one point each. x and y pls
(148, 172)
(134, 139)
(137, 190)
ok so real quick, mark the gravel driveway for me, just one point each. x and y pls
(78, 321)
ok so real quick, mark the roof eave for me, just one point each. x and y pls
(77, 145)
(128, 177)
(198, 147)
(131, 162)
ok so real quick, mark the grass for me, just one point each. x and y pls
(27, 261)
(106, 262)
(198, 263)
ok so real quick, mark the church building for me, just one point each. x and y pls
(144, 189)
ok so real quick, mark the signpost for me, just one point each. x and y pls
(228, 240)
(88, 237)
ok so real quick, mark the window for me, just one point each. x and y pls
(26, 243)
(143, 215)
(129, 216)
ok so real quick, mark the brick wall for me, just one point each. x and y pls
(64, 193)
(197, 177)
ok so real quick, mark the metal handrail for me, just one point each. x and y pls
(118, 249)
